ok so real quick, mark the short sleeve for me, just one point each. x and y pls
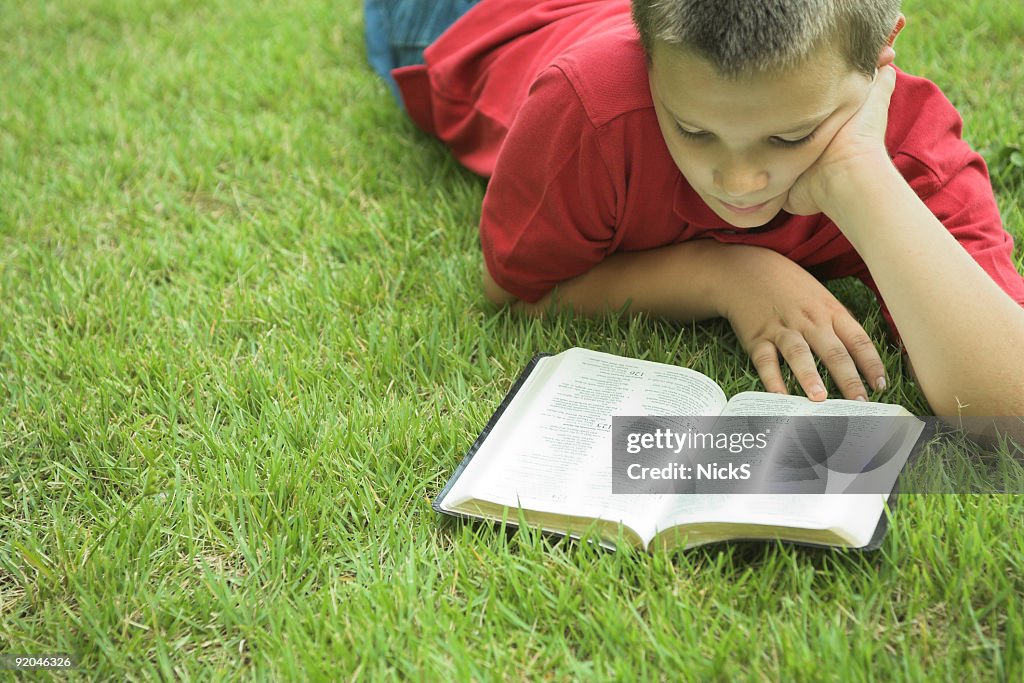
(549, 211)
(967, 208)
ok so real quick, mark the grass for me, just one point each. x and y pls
(243, 345)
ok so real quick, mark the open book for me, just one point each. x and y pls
(546, 457)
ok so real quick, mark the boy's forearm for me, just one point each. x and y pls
(681, 281)
(963, 333)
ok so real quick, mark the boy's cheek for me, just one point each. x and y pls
(795, 172)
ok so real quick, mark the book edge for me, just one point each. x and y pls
(516, 387)
(927, 433)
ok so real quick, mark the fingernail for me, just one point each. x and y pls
(862, 398)
(880, 384)
(817, 390)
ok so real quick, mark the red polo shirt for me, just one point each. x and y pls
(551, 100)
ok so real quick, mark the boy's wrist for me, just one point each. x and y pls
(731, 264)
(844, 190)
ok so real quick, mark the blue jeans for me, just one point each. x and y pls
(397, 31)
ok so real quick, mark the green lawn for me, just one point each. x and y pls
(243, 346)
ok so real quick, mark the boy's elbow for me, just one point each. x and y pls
(494, 292)
(500, 297)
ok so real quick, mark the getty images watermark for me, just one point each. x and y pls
(789, 455)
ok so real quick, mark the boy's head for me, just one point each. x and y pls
(749, 94)
(747, 37)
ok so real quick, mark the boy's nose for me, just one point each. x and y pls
(739, 180)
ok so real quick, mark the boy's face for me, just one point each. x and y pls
(742, 144)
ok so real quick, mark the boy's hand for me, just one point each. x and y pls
(775, 306)
(859, 143)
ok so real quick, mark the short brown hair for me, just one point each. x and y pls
(743, 37)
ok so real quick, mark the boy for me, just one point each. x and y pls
(720, 157)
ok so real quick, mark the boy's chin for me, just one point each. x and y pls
(749, 221)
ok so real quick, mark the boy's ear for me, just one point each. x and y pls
(901, 21)
(888, 54)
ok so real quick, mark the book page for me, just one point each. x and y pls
(884, 428)
(852, 446)
(551, 450)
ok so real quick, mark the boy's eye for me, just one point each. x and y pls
(703, 135)
(693, 134)
(794, 143)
